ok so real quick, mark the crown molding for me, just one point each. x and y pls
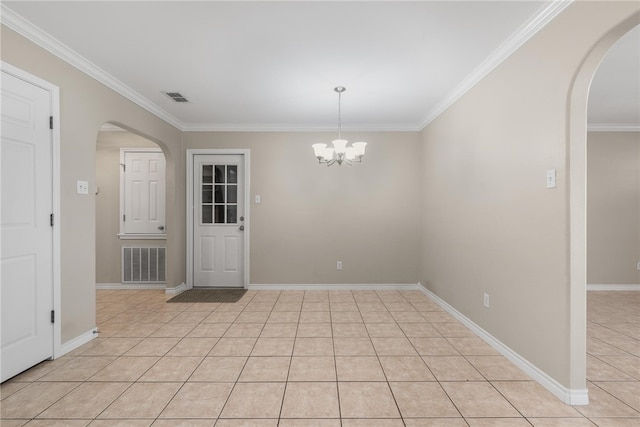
(545, 15)
(23, 27)
(613, 127)
(290, 127)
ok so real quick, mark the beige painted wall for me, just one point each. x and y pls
(613, 207)
(488, 223)
(85, 105)
(108, 245)
(312, 216)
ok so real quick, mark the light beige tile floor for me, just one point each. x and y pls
(316, 358)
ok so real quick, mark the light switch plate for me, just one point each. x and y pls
(83, 187)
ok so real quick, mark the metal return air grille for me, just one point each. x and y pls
(143, 265)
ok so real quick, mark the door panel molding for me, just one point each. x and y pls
(190, 158)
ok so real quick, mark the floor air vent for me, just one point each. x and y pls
(143, 265)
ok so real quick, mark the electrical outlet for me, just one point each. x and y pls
(339, 265)
(551, 178)
(82, 187)
(486, 300)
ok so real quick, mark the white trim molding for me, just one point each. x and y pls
(613, 127)
(613, 287)
(333, 287)
(568, 396)
(25, 28)
(506, 49)
(76, 342)
(177, 289)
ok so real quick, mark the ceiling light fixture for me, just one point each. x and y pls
(339, 153)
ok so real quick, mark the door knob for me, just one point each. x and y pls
(161, 227)
(242, 228)
(241, 218)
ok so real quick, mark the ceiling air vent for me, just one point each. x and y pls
(176, 96)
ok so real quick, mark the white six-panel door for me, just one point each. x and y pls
(25, 229)
(218, 220)
(144, 192)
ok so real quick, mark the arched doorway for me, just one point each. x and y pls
(577, 155)
(130, 254)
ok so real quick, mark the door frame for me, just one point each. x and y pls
(54, 108)
(190, 157)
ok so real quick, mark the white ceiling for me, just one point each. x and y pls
(273, 65)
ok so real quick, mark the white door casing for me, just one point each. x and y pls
(28, 260)
(143, 190)
(218, 218)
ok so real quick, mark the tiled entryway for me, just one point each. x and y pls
(315, 358)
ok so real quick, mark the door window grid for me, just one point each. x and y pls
(219, 194)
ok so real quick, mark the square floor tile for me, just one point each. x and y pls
(142, 400)
(279, 330)
(198, 400)
(433, 347)
(349, 330)
(265, 369)
(359, 368)
(273, 347)
(353, 347)
(311, 400)
(312, 368)
(22, 404)
(125, 369)
(384, 330)
(153, 347)
(313, 347)
(367, 400)
(170, 369)
(219, 369)
(479, 399)
(452, 368)
(254, 400)
(193, 347)
(405, 368)
(393, 347)
(422, 399)
(314, 330)
(233, 347)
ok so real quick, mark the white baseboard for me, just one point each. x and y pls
(77, 342)
(130, 286)
(596, 287)
(568, 396)
(333, 287)
(176, 290)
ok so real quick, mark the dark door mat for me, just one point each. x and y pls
(209, 295)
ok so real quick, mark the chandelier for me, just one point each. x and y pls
(339, 153)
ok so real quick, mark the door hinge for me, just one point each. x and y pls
(50, 122)
(53, 316)
(124, 218)
(51, 220)
(124, 167)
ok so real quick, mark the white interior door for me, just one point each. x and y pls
(25, 230)
(218, 220)
(143, 192)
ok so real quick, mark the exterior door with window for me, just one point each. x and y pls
(218, 220)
